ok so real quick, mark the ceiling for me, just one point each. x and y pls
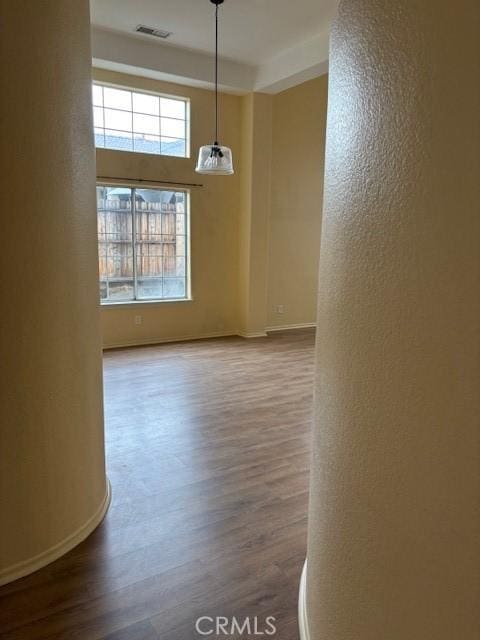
(251, 31)
(254, 34)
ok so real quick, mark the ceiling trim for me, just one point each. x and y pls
(117, 51)
(305, 61)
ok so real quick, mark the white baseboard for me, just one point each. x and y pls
(302, 605)
(286, 327)
(251, 334)
(204, 336)
(24, 568)
(152, 341)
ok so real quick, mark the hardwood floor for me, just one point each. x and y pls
(208, 455)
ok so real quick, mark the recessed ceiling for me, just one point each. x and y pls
(252, 31)
(265, 45)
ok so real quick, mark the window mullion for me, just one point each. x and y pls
(134, 244)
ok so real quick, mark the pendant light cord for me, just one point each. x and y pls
(216, 75)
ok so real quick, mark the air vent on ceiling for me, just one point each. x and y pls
(150, 31)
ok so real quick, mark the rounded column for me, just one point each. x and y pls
(53, 489)
(394, 523)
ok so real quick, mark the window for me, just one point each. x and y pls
(144, 122)
(143, 244)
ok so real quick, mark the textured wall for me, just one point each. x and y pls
(52, 476)
(394, 523)
(298, 152)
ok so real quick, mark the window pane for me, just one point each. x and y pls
(145, 143)
(180, 224)
(115, 248)
(173, 128)
(146, 124)
(99, 137)
(180, 266)
(161, 263)
(181, 246)
(98, 117)
(120, 140)
(117, 98)
(172, 108)
(119, 120)
(173, 147)
(180, 199)
(150, 288)
(97, 95)
(143, 103)
(149, 244)
(173, 288)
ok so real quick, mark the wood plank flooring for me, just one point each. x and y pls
(208, 455)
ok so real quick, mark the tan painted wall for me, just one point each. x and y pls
(214, 225)
(256, 164)
(52, 475)
(299, 121)
(233, 281)
(244, 226)
(394, 523)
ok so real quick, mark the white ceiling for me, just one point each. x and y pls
(251, 31)
(263, 36)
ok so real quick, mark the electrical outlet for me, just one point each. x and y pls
(137, 319)
(280, 308)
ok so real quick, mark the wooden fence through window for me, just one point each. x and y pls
(159, 235)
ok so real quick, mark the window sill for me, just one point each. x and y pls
(142, 153)
(129, 303)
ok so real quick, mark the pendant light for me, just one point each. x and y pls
(213, 159)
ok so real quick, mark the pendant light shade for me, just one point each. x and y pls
(214, 159)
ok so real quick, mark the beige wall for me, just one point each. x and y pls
(394, 526)
(214, 226)
(298, 151)
(256, 163)
(273, 199)
(53, 489)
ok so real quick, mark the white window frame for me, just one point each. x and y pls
(188, 274)
(157, 94)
